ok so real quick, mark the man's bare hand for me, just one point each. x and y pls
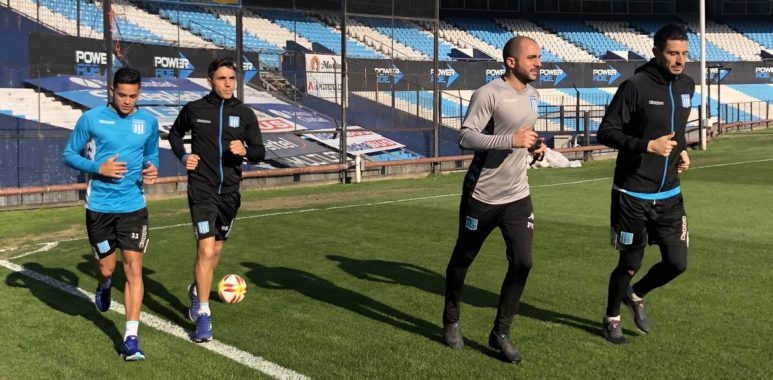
(525, 137)
(662, 146)
(112, 168)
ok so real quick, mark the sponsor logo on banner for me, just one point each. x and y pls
(446, 76)
(607, 76)
(88, 63)
(277, 124)
(384, 74)
(358, 141)
(322, 76)
(492, 74)
(166, 66)
(765, 73)
(554, 76)
(716, 73)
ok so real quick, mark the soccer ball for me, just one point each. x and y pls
(232, 288)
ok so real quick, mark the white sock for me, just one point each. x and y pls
(634, 297)
(131, 328)
(204, 308)
(615, 318)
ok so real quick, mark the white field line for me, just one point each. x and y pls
(245, 358)
(301, 211)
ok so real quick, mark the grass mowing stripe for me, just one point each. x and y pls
(290, 212)
(255, 362)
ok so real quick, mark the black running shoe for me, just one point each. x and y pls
(453, 335)
(613, 331)
(502, 343)
(640, 316)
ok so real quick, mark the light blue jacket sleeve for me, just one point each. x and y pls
(151, 146)
(72, 151)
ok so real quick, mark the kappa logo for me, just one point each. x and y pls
(138, 127)
(530, 223)
(233, 121)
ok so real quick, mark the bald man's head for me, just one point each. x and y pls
(514, 45)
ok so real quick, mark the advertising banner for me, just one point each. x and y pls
(358, 141)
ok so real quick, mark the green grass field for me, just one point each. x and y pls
(347, 282)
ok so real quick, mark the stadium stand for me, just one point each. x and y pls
(409, 34)
(582, 34)
(491, 35)
(758, 31)
(553, 43)
(621, 32)
(728, 40)
(313, 30)
(375, 39)
(713, 53)
(52, 19)
(160, 27)
(271, 32)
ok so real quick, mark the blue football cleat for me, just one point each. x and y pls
(130, 349)
(193, 312)
(203, 331)
(102, 297)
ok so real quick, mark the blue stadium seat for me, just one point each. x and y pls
(488, 31)
(713, 52)
(583, 35)
(409, 35)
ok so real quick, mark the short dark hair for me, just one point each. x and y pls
(667, 33)
(127, 75)
(513, 46)
(218, 63)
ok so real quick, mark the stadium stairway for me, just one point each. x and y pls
(375, 39)
(550, 42)
(28, 104)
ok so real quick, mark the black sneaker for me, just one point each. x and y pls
(613, 331)
(453, 335)
(640, 316)
(502, 343)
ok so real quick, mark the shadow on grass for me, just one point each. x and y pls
(52, 297)
(406, 274)
(154, 292)
(318, 288)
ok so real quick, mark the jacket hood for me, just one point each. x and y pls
(214, 98)
(657, 73)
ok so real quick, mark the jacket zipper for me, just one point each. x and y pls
(220, 146)
(673, 109)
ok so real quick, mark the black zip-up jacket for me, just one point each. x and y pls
(214, 122)
(650, 104)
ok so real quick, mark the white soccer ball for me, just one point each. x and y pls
(232, 288)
